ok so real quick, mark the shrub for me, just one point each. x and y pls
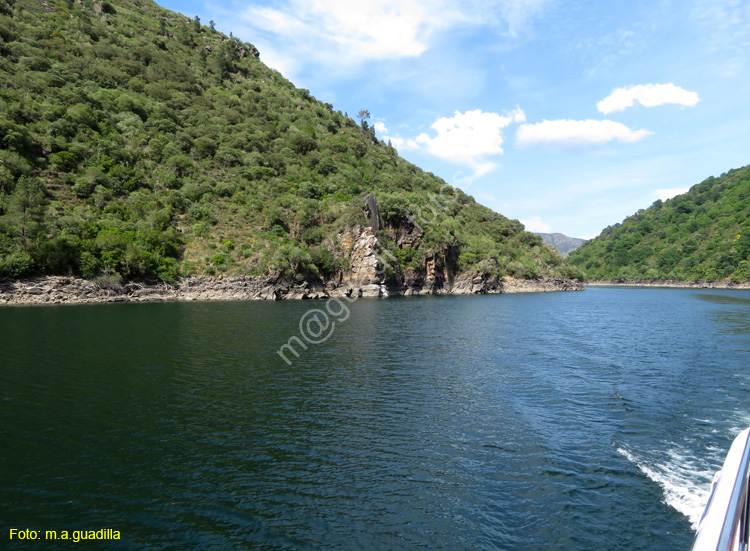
(205, 147)
(302, 143)
(16, 264)
(88, 265)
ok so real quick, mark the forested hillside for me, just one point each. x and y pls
(703, 234)
(140, 143)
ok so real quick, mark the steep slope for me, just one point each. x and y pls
(138, 143)
(703, 234)
(562, 243)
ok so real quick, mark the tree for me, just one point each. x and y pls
(182, 164)
(26, 205)
(302, 143)
(363, 115)
(205, 147)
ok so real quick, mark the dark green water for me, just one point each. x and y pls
(558, 421)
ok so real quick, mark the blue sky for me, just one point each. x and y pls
(567, 115)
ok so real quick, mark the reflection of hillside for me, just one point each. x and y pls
(735, 321)
(724, 299)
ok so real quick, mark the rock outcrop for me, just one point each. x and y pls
(62, 290)
(562, 243)
(70, 290)
(372, 272)
(721, 284)
(372, 213)
(366, 275)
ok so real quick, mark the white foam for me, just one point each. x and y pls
(685, 484)
(740, 421)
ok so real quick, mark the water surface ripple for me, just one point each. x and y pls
(571, 421)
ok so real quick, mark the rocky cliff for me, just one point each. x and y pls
(155, 148)
(372, 271)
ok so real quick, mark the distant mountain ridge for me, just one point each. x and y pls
(561, 242)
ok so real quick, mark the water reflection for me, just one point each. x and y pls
(734, 315)
(725, 298)
(453, 422)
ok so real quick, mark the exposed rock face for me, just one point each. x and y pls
(721, 284)
(562, 243)
(408, 235)
(61, 290)
(249, 50)
(366, 274)
(372, 213)
(101, 9)
(69, 290)
(437, 276)
(372, 273)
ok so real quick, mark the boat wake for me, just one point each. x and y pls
(685, 482)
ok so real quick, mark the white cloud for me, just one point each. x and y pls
(401, 144)
(535, 224)
(648, 95)
(398, 142)
(586, 132)
(668, 193)
(351, 33)
(470, 137)
(283, 64)
(377, 28)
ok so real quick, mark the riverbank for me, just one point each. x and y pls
(725, 284)
(72, 290)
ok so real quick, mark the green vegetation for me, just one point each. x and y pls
(701, 235)
(138, 143)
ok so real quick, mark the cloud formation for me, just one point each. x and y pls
(380, 127)
(470, 137)
(352, 33)
(648, 95)
(398, 142)
(535, 224)
(572, 132)
(374, 29)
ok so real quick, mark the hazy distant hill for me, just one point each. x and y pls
(137, 142)
(703, 234)
(562, 243)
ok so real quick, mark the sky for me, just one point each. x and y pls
(569, 115)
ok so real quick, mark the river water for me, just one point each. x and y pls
(572, 421)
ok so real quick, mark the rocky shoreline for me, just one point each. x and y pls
(72, 290)
(669, 283)
(372, 272)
